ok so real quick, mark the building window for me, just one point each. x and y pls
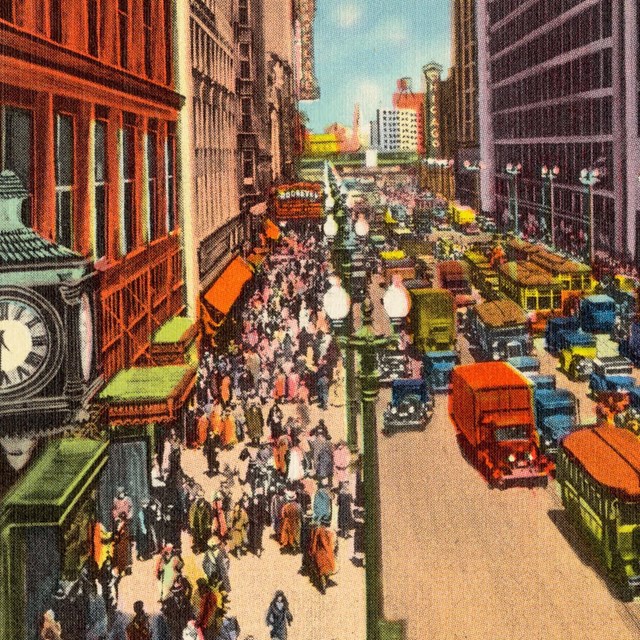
(152, 183)
(123, 32)
(247, 165)
(100, 188)
(243, 12)
(64, 179)
(16, 150)
(55, 20)
(245, 70)
(6, 10)
(246, 114)
(148, 38)
(128, 174)
(92, 22)
(244, 50)
(170, 160)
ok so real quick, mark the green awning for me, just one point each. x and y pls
(145, 383)
(142, 395)
(46, 494)
(174, 330)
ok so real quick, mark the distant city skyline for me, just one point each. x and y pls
(362, 47)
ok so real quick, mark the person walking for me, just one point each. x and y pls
(215, 565)
(239, 525)
(139, 628)
(291, 515)
(279, 618)
(322, 504)
(211, 448)
(168, 567)
(345, 519)
(219, 517)
(200, 521)
(254, 419)
(341, 461)
(208, 605)
(322, 550)
(256, 512)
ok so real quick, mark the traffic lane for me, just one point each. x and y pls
(463, 561)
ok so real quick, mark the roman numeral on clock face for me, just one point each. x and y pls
(23, 374)
(33, 322)
(4, 378)
(39, 341)
(4, 310)
(33, 360)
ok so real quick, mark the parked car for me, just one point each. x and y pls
(556, 416)
(577, 352)
(436, 369)
(611, 373)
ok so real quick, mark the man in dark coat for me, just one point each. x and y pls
(344, 510)
(200, 521)
(177, 607)
(256, 513)
(146, 541)
(215, 565)
(255, 421)
(212, 446)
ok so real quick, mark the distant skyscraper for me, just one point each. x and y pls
(395, 130)
(406, 99)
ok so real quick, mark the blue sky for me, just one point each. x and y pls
(363, 46)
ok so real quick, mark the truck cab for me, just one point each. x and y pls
(611, 373)
(453, 277)
(553, 328)
(542, 381)
(436, 369)
(526, 364)
(577, 352)
(556, 412)
(411, 406)
(597, 314)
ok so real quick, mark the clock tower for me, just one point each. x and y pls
(48, 367)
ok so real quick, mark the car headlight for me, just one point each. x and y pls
(511, 458)
(547, 443)
(496, 356)
(529, 456)
(412, 409)
(394, 410)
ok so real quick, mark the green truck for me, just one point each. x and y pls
(432, 320)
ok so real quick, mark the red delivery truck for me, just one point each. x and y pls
(491, 406)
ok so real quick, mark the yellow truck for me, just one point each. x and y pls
(461, 215)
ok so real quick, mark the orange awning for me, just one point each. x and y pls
(226, 289)
(271, 229)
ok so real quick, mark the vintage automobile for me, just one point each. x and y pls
(499, 330)
(556, 415)
(630, 344)
(611, 373)
(542, 381)
(411, 406)
(432, 320)
(597, 471)
(452, 276)
(597, 314)
(525, 364)
(553, 329)
(436, 369)
(392, 365)
(577, 352)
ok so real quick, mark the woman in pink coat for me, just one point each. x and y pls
(341, 460)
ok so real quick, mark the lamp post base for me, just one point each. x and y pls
(392, 629)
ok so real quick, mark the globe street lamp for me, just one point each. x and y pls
(396, 301)
(589, 178)
(368, 344)
(361, 227)
(330, 227)
(549, 175)
(513, 170)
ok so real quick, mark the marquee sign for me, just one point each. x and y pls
(308, 84)
(298, 200)
(432, 73)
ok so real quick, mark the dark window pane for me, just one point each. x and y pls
(100, 151)
(101, 218)
(64, 150)
(128, 153)
(17, 151)
(55, 22)
(6, 10)
(170, 150)
(129, 217)
(64, 215)
(92, 20)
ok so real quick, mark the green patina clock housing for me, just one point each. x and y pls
(48, 355)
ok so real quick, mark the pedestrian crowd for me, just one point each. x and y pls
(298, 481)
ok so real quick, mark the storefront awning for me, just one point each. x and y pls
(271, 229)
(48, 492)
(227, 288)
(142, 395)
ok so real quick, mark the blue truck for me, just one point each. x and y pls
(543, 381)
(556, 413)
(611, 373)
(436, 369)
(526, 364)
(553, 329)
(597, 314)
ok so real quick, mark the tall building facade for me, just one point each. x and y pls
(214, 106)
(395, 130)
(559, 86)
(415, 103)
(464, 79)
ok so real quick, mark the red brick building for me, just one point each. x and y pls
(87, 121)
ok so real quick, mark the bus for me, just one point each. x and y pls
(598, 473)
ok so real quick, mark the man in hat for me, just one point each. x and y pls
(139, 628)
(215, 565)
(290, 515)
(200, 521)
(219, 517)
(212, 446)
(254, 419)
(209, 607)
(256, 512)
(228, 429)
(322, 551)
(322, 453)
(177, 607)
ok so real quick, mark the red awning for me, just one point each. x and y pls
(271, 229)
(227, 288)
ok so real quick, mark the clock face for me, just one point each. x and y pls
(29, 342)
(86, 337)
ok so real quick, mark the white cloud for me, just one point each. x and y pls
(392, 29)
(347, 14)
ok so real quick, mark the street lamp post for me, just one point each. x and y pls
(549, 175)
(513, 170)
(368, 344)
(589, 178)
(475, 167)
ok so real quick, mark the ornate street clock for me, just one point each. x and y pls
(48, 367)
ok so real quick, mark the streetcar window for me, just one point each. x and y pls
(516, 432)
(531, 303)
(629, 512)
